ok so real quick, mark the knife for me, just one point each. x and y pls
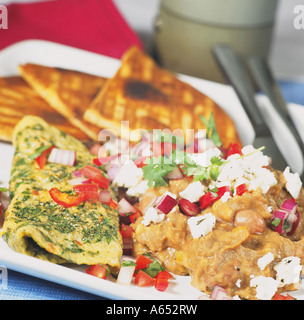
(237, 75)
(266, 82)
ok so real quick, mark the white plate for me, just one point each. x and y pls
(51, 54)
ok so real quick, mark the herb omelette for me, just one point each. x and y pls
(41, 223)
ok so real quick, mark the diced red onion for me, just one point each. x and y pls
(295, 224)
(288, 217)
(125, 275)
(175, 174)
(77, 173)
(104, 196)
(219, 293)
(62, 156)
(124, 207)
(141, 149)
(104, 160)
(281, 216)
(113, 171)
(165, 204)
(291, 207)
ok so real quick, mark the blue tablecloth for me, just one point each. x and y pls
(24, 287)
(21, 286)
(293, 91)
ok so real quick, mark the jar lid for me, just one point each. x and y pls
(233, 13)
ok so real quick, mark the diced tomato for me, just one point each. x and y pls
(209, 198)
(162, 280)
(279, 296)
(140, 162)
(113, 204)
(66, 199)
(89, 190)
(126, 231)
(221, 191)
(241, 189)
(233, 148)
(161, 284)
(142, 262)
(164, 274)
(97, 162)
(95, 175)
(142, 279)
(130, 218)
(134, 216)
(98, 270)
(42, 159)
(206, 200)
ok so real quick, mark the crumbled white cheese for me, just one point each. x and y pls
(238, 283)
(172, 195)
(293, 182)
(263, 179)
(129, 175)
(266, 287)
(138, 190)
(249, 169)
(231, 169)
(265, 260)
(254, 158)
(151, 215)
(288, 271)
(203, 158)
(193, 192)
(226, 196)
(201, 225)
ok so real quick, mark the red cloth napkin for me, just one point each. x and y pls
(93, 25)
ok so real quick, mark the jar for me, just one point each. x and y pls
(186, 31)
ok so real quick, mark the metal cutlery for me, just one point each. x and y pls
(237, 75)
(266, 82)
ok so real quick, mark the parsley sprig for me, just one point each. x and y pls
(158, 167)
(211, 130)
(203, 173)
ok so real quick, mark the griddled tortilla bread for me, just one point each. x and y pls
(68, 92)
(150, 97)
(18, 99)
(38, 226)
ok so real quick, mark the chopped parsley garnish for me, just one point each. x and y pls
(38, 152)
(155, 171)
(128, 263)
(157, 168)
